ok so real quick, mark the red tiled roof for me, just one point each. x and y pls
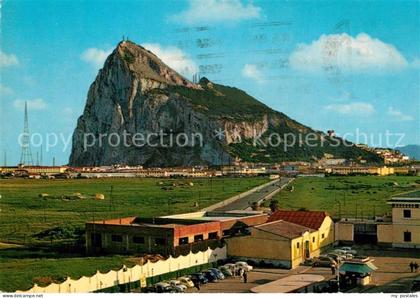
(310, 219)
(283, 228)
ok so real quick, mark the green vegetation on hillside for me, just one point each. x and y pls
(223, 101)
(285, 138)
(366, 194)
(28, 218)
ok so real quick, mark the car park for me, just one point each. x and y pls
(337, 257)
(219, 274)
(323, 261)
(186, 281)
(348, 249)
(199, 277)
(210, 276)
(244, 266)
(177, 286)
(163, 287)
(343, 254)
(226, 271)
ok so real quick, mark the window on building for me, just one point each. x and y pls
(160, 241)
(183, 240)
(407, 236)
(213, 235)
(116, 238)
(407, 213)
(297, 245)
(322, 236)
(313, 239)
(138, 240)
(198, 237)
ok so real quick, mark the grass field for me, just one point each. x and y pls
(365, 194)
(24, 214)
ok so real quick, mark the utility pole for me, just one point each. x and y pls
(53, 161)
(5, 159)
(40, 158)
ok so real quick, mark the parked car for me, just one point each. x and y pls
(337, 257)
(323, 261)
(343, 253)
(415, 286)
(210, 275)
(218, 273)
(226, 271)
(348, 250)
(199, 277)
(163, 287)
(244, 266)
(230, 266)
(177, 286)
(151, 289)
(186, 281)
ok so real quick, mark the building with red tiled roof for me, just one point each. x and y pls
(287, 239)
(317, 220)
(310, 219)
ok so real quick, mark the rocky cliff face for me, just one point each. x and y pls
(140, 111)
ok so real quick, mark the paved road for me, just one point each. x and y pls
(246, 201)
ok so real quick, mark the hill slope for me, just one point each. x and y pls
(136, 94)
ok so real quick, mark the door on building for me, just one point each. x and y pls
(307, 253)
(96, 240)
(365, 233)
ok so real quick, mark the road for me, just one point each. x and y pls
(257, 196)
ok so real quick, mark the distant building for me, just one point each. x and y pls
(167, 235)
(357, 170)
(404, 230)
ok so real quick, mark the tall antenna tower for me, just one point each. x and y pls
(26, 155)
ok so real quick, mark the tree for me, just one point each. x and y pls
(274, 205)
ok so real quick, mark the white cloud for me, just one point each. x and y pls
(213, 11)
(398, 115)
(174, 57)
(346, 53)
(34, 104)
(96, 57)
(251, 71)
(353, 108)
(4, 90)
(8, 59)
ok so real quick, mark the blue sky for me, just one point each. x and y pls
(343, 65)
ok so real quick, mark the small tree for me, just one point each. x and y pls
(274, 205)
(255, 206)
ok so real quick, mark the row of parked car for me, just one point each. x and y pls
(210, 275)
(336, 256)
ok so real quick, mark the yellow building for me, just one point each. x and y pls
(287, 239)
(347, 170)
(279, 242)
(319, 221)
(404, 230)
